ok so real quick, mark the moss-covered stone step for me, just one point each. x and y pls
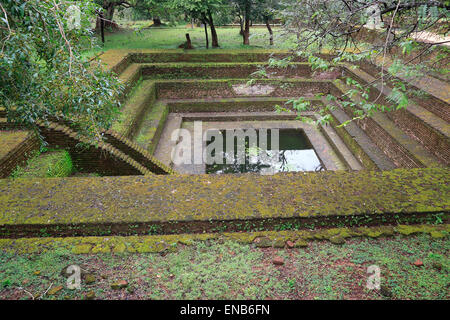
(205, 56)
(364, 149)
(140, 99)
(400, 148)
(129, 77)
(200, 202)
(152, 126)
(420, 124)
(115, 60)
(164, 243)
(115, 56)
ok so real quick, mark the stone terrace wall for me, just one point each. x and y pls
(221, 71)
(224, 88)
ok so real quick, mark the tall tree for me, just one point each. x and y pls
(245, 7)
(265, 11)
(203, 10)
(154, 9)
(109, 8)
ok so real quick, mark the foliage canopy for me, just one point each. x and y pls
(44, 76)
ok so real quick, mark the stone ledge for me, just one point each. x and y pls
(162, 243)
(206, 198)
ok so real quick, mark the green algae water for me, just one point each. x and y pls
(294, 153)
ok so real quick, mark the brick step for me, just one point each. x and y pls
(17, 148)
(366, 151)
(438, 92)
(225, 88)
(396, 144)
(138, 153)
(420, 124)
(100, 157)
(129, 77)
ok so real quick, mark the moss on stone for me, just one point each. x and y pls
(10, 140)
(131, 114)
(54, 163)
(437, 234)
(151, 199)
(152, 126)
(161, 243)
(82, 248)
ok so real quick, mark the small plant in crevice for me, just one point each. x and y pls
(154, 229)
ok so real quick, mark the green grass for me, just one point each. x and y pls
(171, 38)
(228, 270)
(54, 163)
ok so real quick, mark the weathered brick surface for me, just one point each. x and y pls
(434, 142)
(432, 104)
(399, 155)
(416, 122)
(87, 157)
(18, 155)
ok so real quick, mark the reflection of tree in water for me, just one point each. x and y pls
(258, 160)
(235, 167)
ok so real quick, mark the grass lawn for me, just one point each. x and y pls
(171, 38)
(228, 270)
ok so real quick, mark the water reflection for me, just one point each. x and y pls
(295, 154)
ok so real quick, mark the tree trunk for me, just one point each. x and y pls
(206, 34)
(188, 42)
(241, 23)
(156, 22)
(270, 30)
(110, 11)
(102, 27)
(214, 38)
(246, 34)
